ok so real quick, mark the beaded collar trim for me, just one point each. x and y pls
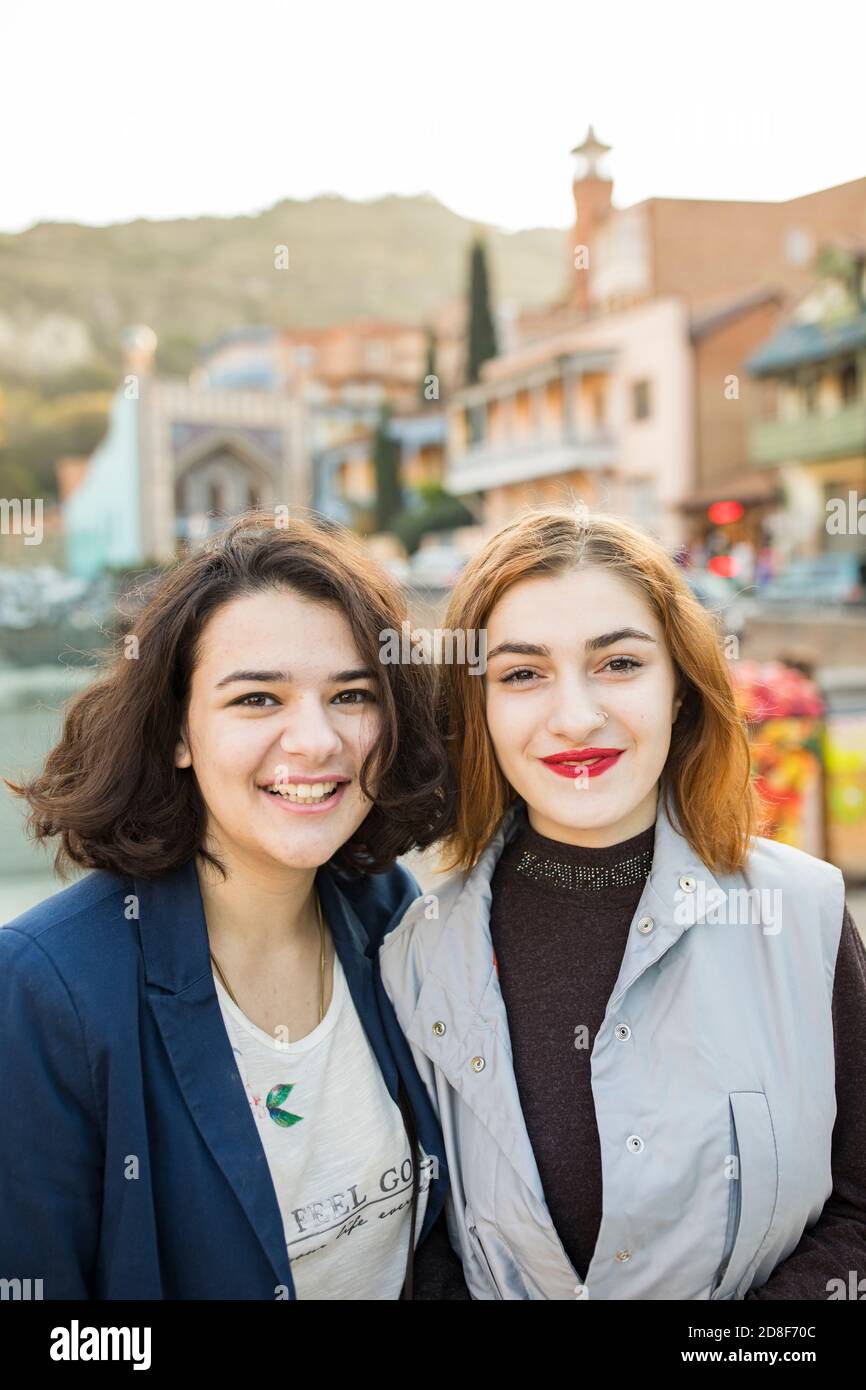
(594, 877)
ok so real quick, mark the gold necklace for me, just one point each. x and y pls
(322, 991)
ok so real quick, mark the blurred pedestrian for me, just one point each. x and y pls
(743, 556)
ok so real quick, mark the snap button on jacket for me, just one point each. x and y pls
(715, 1122)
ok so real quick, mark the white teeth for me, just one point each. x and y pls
(303, 791)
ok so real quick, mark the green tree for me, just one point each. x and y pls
(482, 335)
(835, 262)
(386, 462)
(429, 368)
(439, 511)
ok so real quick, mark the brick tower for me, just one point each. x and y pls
(592, 191)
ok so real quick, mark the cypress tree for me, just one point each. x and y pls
(386, 462)
(482, 336)
(429, 368)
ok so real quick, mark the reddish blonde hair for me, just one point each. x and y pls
(706, 780)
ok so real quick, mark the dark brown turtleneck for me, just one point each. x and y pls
(559, 921)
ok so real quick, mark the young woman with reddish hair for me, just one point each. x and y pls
(639, 1021)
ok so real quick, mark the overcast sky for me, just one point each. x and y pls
(171, 108)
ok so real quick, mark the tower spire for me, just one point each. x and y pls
(589, 157)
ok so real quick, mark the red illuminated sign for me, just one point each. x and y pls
(720, 513)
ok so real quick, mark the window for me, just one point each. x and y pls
(644, 503)
(376, 355)
(798, 246)
(475, 419)
(848, 382)
(640, 400)
(810, 394)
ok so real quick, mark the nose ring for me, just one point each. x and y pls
(603, 717)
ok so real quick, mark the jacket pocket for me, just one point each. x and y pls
(475, 1241)
(753, 1195)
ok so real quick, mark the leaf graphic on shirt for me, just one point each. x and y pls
(275, 1098)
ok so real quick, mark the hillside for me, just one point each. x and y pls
(67, 291)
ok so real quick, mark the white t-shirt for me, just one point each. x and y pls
(337, 1150)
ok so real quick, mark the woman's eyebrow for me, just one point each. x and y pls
(592, 644)
(273, 677)
(519, 649)
(622, 634)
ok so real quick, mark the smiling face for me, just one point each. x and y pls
(561, 651)
(280, 697)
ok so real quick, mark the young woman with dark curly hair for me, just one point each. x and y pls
(203, 1097)
(640, 1023)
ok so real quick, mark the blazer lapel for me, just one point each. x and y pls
(181, 993)
(351, 941)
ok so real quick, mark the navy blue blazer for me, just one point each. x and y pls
(130, 1164)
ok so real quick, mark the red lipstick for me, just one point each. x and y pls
(583, 762)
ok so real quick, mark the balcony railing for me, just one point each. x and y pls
(482, 466)
(810, 437)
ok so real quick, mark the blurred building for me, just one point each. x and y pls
(345, 473)
(176, 458)
(659, 429)
(600, 413)
(809, 431)
(339, 372)
(725, 397)
(342, 379)
(268, 417)
(707, 250)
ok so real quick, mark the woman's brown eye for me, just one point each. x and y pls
(623, 663)
(514, 677)
(256, 695)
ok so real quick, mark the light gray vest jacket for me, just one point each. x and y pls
(713, 1078)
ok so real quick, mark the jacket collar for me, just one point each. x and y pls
(173, 930)
(179, 982)
(461, 987)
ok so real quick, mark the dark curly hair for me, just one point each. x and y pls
(110, 788)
